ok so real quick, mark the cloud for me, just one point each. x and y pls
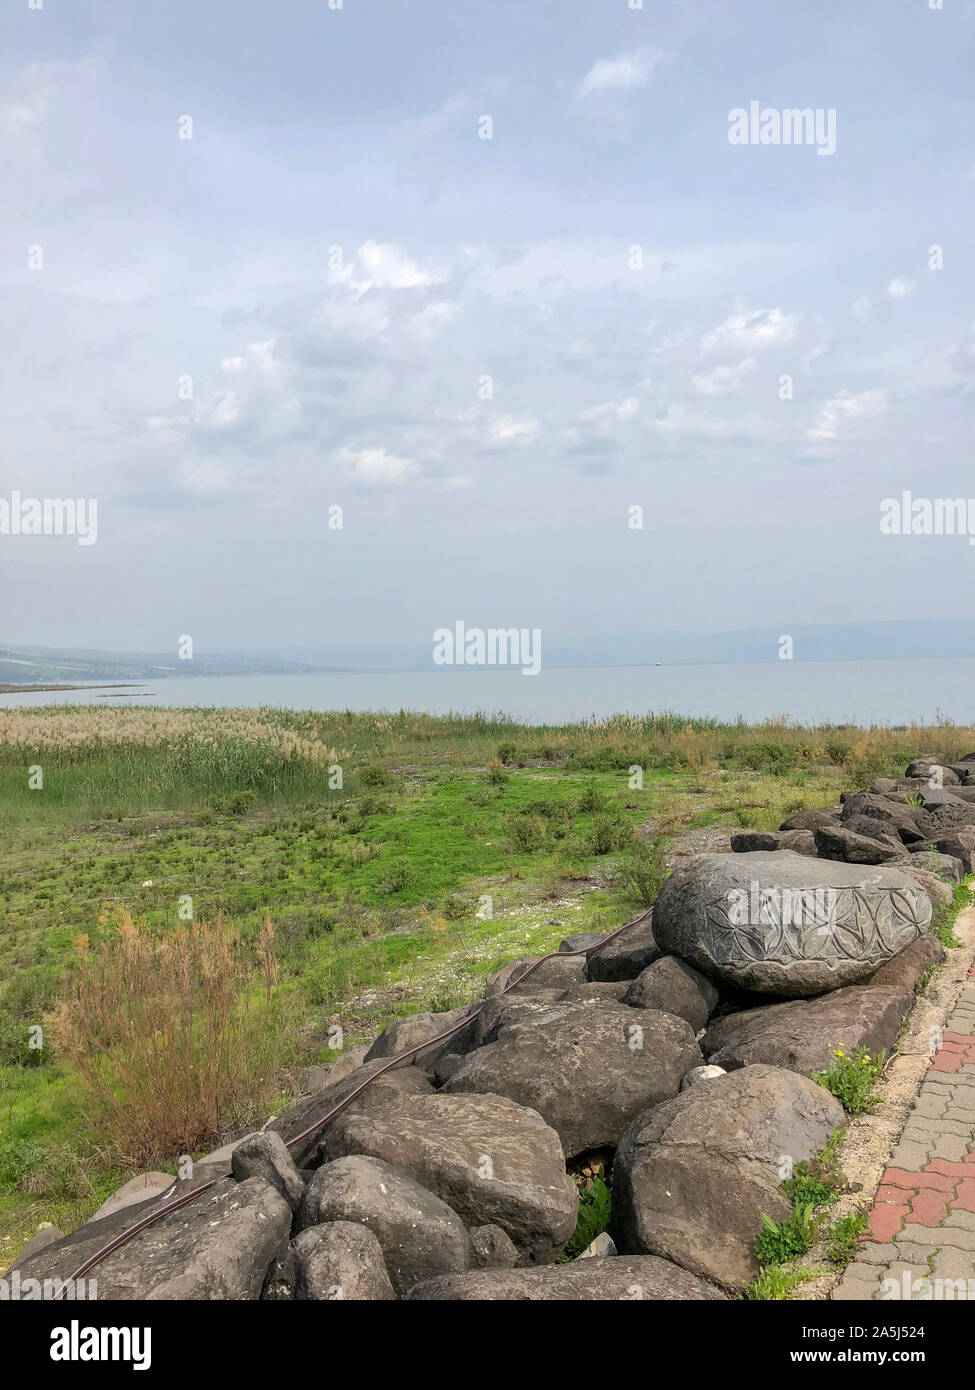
(382, 265)
(723, 380)
(624, 71)
(861, 308)
(625, 409)
(751, 330)
(375, 467)
(900, 287)
(509, 430)
(846, 406)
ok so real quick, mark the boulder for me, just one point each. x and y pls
(138, 1189)
(309, 1112)
(603, 1245)
(596, 992)
(907, 967)
(785, 924)
(803, 1034)
(960, 844)
(632, 951)
(943, 866)
(588, 1069)
(674, 987)
(347, 1062)
(874, 829)
(340, 1260)
(218, 1246)
(492, 1248)
(939, 894)
(553, 973)
(935, 773)
(799, 841)
(747, 841)
(501, 1011)
(419, 1031)
(581, 1281)
(581, 941)
(494, 1162)
(420, 1236)
(896, 815)
(266, 1156)
(313, 1079)
(809, 820)
(843, 845)
(45, 1235)
(694, 1177)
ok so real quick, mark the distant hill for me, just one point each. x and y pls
(35, 665)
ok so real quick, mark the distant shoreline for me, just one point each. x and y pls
(16, 687)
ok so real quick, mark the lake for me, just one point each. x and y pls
(887, 692)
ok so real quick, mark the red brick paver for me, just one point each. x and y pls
(920, 1241)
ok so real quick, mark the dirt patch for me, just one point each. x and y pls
(865, 1151)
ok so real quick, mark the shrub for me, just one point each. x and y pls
(592, 800)
(783, 1241)
(643, 870)
(169, 1036)
(528, 833)
(607, 833)
(375, 776)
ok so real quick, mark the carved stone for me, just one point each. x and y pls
(785, 924)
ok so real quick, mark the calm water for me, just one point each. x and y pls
(894, 692)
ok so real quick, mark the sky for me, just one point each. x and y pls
(486, 277)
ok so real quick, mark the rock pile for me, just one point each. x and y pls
(684, 1047)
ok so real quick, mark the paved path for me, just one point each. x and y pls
(922, 1223)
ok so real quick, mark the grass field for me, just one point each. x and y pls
(401, 858)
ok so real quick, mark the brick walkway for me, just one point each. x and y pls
(922, 1223)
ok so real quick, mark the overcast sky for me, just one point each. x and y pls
(336, 260)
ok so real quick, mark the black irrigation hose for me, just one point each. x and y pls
(152, 1217)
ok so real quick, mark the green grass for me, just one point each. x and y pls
(943, 923)
(445, 847)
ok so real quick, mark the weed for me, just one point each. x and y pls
(851, 1077)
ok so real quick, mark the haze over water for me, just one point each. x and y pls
(877, 692)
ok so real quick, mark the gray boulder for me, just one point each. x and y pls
(674, 987)
(799, 841)
(419, 1031)
(943, 866)
(960, 844)
(907, 967)
(554, 973)
(839, 843)
(786, 924)
(420, 1236)
(218, 1246)
(266, 1156)
(803, 1034)
(603, 1280)
(340, 1260)
(309, 1112)
(492, 1161)
(875, 829)
(809, 820)
(694, 1177)
(748, 841)
(492, 1248)
(581, 941)
(588, 1069)
(895, 815)
(632, 951)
